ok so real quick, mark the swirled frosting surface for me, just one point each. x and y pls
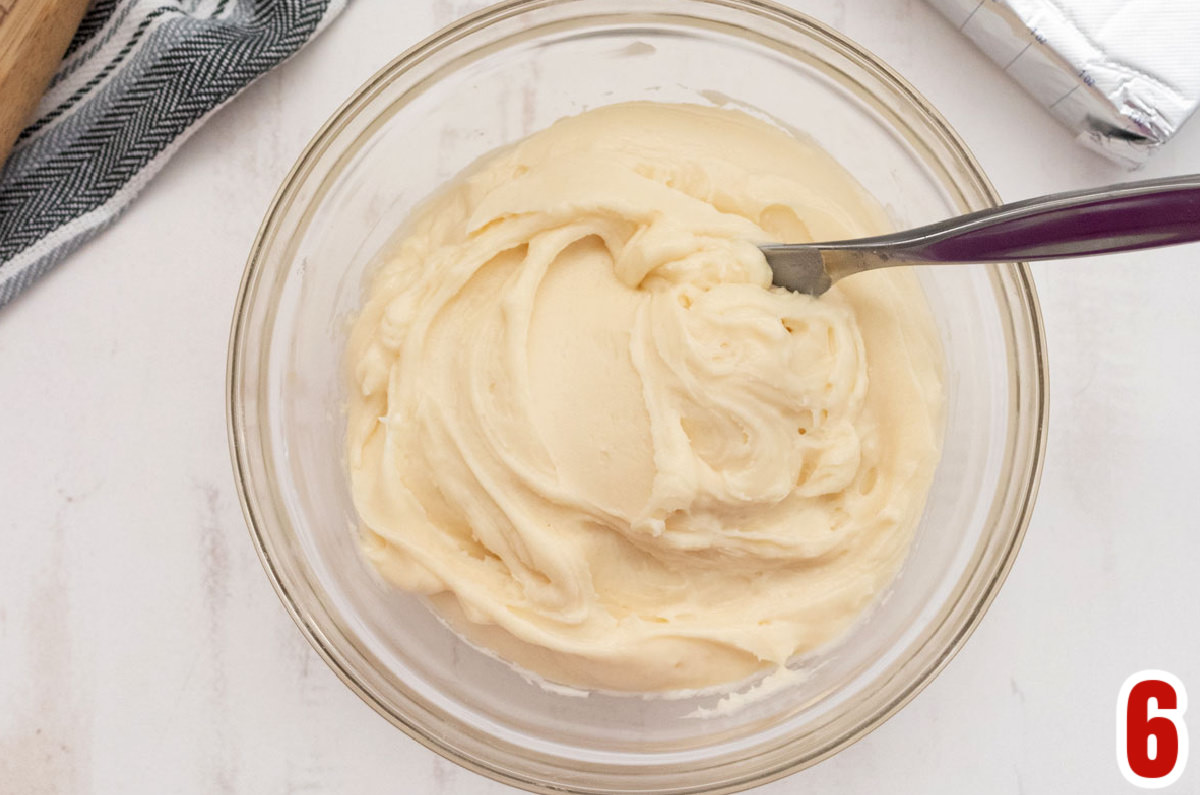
(585, 423)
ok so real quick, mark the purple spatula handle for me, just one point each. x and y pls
(1135, 215)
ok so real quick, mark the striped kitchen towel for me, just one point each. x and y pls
(139, 76)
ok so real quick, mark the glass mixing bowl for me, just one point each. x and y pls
(486, 81)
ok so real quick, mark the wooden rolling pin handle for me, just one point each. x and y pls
(34, 34)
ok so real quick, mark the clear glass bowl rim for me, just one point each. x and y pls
(456, 743)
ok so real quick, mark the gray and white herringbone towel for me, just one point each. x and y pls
(139, 76)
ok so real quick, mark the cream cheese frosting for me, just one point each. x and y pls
(583, 421)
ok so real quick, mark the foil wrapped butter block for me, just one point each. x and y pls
(1124, 74)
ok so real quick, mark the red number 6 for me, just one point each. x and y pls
(1152, 739)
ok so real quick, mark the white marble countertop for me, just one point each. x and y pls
(143, 650)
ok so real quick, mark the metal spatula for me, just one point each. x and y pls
(1135, 215)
